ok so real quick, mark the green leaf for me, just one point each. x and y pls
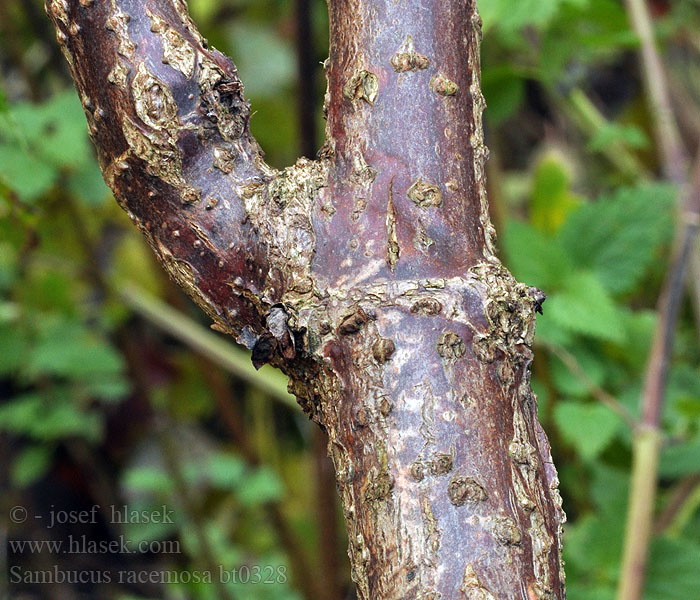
(534, 257)
(673, 570)
(612, 133)
(504, 91)
(568, 383)
(51, 417)
(592, 546)
(225, 470)
(55, 130)
(14, 348)
(260, 486)
(509, 16)
(617, 237)
(30, 465)
(4, 106)
(38, 140)
(22, 173)
(585, 307)
(587, 591)
(640, 326)
(680, 459)
(552, 198)
(148, 479)
(589, 428)
(67, 348)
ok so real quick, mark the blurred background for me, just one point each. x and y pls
(115, 393)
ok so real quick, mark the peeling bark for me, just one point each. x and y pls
(369, 276)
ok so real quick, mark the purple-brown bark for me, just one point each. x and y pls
(368, 276)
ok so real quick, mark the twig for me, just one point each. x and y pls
(673, 155)
(679, 497)
(647, 443)
(218, 351)
(592, 120)
(593, 388)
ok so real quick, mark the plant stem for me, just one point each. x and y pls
(594, 389)
(673, 155)
(680, 496)
(218, 351)
(645, 451)
(646, 446)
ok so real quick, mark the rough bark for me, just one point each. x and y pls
(369, 275)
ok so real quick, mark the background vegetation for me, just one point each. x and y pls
(113, 390)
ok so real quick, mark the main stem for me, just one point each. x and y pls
(368, 276)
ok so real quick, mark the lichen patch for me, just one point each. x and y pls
(471, 588)
(119, 74)
(118, 22)
(393, 250)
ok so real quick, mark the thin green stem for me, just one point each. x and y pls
(210, 345)
(646, 447)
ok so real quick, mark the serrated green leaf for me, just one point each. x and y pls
(55, 130)
(51, 417)
(592, 546)
(589, 428)
(584, 306)
(534, 257)
(617, 237)
(67, 348)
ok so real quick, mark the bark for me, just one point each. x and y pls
(369, 275)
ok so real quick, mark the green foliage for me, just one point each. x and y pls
(39, 142)
(589, 428)
(584, 306)
(617, 237)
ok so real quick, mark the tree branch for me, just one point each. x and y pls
(369, 276)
